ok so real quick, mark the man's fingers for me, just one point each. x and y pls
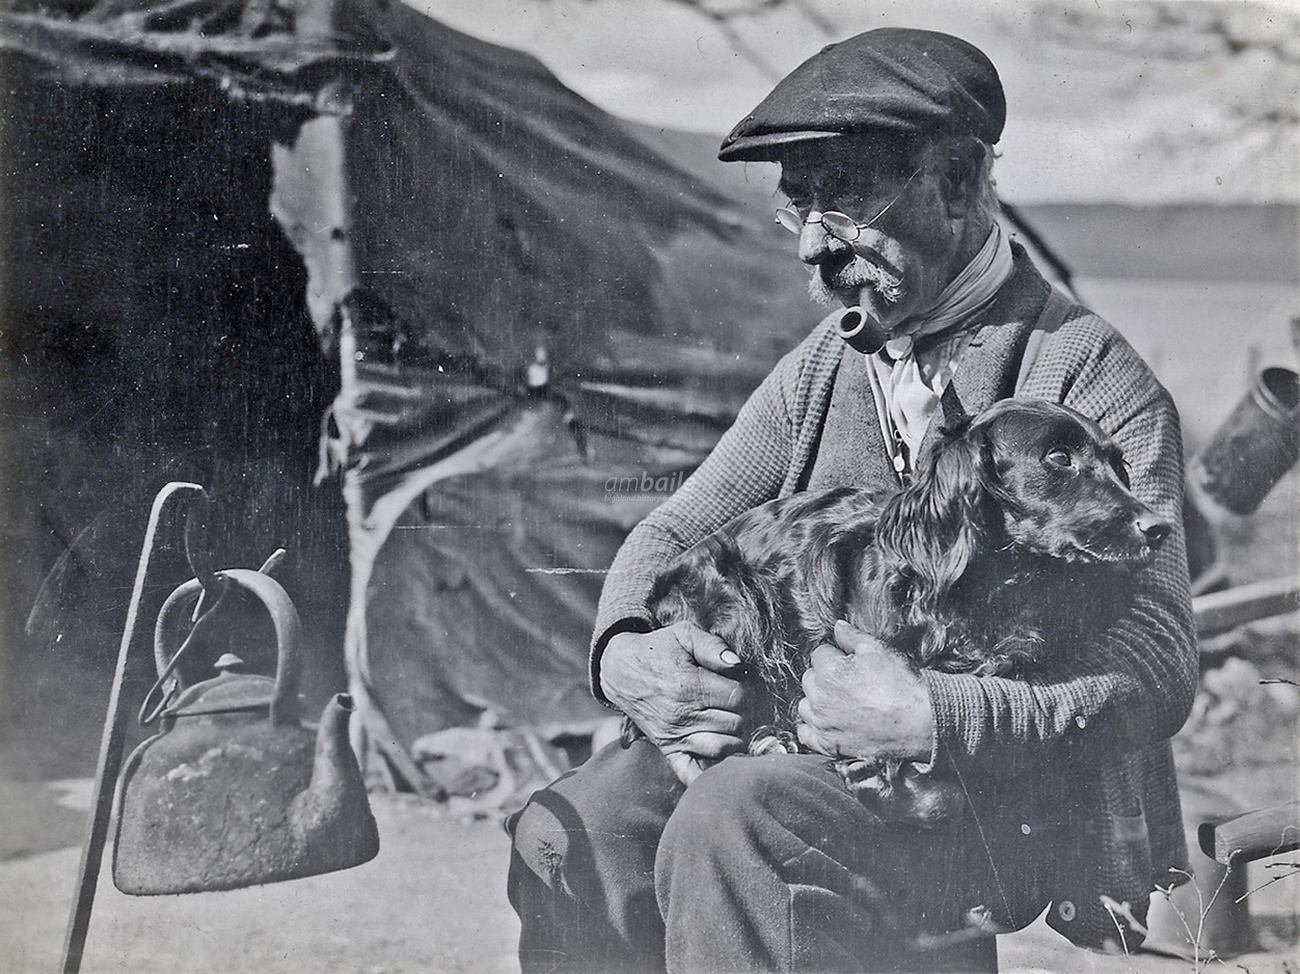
(825, 653)
(707, 649)
(718, 721)
(687, 767)
(805, 712)
(810, 739)
(707, 744)
(853, 640)
(714, 692)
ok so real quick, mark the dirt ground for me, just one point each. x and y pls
(434, 900)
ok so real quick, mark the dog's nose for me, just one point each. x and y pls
(1153, 528)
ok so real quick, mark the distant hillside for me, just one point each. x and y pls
(1218, 243)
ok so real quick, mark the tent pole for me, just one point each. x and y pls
(311, 199)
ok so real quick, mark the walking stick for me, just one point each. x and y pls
(110, 749)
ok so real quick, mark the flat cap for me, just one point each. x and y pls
(891, 79)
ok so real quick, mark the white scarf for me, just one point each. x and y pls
(914, 384)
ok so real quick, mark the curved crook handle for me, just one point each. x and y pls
(284, 617)
(110, 746)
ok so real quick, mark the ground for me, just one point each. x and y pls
(434, 900)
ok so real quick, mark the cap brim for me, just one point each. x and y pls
(770, 147)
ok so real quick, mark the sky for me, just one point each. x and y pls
(1093, 113)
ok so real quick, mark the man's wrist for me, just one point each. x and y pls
(625, 625)
(932, 752)
(954, 698)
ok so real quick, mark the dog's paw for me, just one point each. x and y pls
(770, 740)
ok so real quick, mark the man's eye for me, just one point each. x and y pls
(1059, 458)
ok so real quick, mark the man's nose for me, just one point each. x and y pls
(815, 244)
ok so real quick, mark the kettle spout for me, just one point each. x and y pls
(335, 766)
(333, 810)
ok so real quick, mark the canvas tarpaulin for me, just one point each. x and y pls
(541, 325)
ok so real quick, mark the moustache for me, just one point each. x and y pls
(852, 275)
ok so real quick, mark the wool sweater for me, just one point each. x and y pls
(1110, 705)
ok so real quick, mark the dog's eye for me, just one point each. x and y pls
(1059, 458)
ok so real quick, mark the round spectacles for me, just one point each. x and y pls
(839, 225)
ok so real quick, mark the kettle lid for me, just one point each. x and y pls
(228, 693)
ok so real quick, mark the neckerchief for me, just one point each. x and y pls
(913, 374)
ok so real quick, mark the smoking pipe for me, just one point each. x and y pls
(862, 330)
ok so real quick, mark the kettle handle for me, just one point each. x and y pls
(284, 618)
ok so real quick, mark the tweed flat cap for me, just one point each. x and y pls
(892, 79)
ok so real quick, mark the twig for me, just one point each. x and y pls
(1203, 909)
(1293, 866)
(1112, 908)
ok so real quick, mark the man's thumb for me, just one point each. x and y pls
(851, 639)
(710, 651)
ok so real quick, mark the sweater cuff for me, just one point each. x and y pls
(628, 624)
(955, 701)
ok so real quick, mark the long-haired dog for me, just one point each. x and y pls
(1014, 536)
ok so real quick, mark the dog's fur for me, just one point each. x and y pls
(1011, 541)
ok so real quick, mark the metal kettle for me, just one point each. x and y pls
(233, 791)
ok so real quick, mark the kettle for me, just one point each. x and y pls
(233, 790)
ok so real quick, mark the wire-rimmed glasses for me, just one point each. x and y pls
(837, 224)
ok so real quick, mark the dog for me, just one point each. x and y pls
(1015, 535)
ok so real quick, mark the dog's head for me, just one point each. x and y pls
(1046, 480)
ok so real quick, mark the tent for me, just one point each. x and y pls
(304, 251)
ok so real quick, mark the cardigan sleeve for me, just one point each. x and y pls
(747, 467)
(1133, 682)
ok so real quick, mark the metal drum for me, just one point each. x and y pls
(1256, 445)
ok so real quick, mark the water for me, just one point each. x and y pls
(1204, 339)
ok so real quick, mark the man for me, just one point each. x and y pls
(768, 863)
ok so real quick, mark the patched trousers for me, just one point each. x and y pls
(763, 864)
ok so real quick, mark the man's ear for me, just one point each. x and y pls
(959, 174)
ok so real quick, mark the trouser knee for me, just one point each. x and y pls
(734, 808)
(600, 822)
(582, 863)
(539, 843)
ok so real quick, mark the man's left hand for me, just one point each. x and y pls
(862, 700)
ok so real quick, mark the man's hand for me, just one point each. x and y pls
(679, 686)
(862, 700)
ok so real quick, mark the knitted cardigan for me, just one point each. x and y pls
(1112, 706)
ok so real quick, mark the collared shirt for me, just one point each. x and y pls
(913, 384)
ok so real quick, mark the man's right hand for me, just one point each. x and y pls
(680, 686)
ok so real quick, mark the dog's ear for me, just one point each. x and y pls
(930, 530)
(955, 418)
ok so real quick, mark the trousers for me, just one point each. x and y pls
(763, 864)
